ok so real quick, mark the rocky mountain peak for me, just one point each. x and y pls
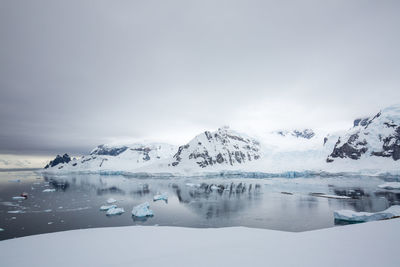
(223, 146)
(379, 136)
(58, 160)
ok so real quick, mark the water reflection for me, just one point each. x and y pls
(282, 204)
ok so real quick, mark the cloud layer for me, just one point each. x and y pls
(75, 74)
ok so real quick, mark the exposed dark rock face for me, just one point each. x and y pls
(221, 147)
(108, 151)
(145, 151)
(306, 133)
(353, 148)
(58, 160)
(360, 122)
(391, 146)
(379, 137)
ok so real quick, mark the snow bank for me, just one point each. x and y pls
(142, 210)
(353, 216)
(368, 245)
(390, 185)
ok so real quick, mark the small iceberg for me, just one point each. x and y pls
(107, 207)
(390, 185)
(329, 196)
(15, 211)
(1, 229)
(111, 200)
(163, 196)
(19, 198)
(48, 190)
(115, 211)
(142, 210)
(353, 216)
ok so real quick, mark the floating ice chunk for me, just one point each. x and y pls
(50, 223)
(329, 196)
(49, 190)
(15, 211)
(390, 185)
(353, 216)
(193, 185)
(19, 198)
(1, 229)
(162, 196)
(214, 187)
(115, 211)
(142, 210)
(107, 207)
(111, 200)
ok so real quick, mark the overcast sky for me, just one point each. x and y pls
(75, 74)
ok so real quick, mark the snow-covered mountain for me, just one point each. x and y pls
(371, 146)
(222, 147)
(378, 136)
(115, 158)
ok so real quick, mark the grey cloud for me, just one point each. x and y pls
(74, 74)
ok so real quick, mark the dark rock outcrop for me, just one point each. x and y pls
(378, 137)
(305, 133)
(58, 160)
(108, 151)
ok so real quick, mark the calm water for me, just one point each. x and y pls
(273, 203)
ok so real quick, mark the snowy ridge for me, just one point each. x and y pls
(371, 148)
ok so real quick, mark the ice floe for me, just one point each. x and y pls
(19, 198)
(115, 211)
(353, 216)
(142, 210)
(1, 229)
(111, 200)
(15, 211)
(162, 196)
(107, 207)
(329, 196)
(49, 190)
(390, 185)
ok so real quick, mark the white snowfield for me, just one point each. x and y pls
(353, 216)
(366, 245)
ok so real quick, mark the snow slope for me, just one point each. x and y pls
(368, 245)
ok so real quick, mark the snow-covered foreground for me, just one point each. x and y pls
(369, 244)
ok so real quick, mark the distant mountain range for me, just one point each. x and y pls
(371, 147)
